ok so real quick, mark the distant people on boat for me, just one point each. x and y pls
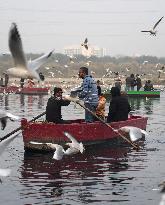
(31, 83)
(100, 110)
(130, 82)
(1, 82)
(148, 86)
(22, 82)
(119, 106)
(88, 93)
(118, 83)
(138, 82)
(6, 81)
(54, 104)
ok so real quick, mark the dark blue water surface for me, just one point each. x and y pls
(101, 175)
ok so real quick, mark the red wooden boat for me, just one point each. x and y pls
(25, 90)
(87, 133)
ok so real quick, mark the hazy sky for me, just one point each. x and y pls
(111, 24)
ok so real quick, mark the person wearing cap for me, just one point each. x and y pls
(54, 104)
(119, 106)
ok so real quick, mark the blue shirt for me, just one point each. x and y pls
(89, 93)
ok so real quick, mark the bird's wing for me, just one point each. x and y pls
(35, 64)
(5, 172)
(37, 143)
(71, 150)
(15, 46)
(86, 47)
(144, 132)
(145, 31)
(135, 134)
(14, 117)
(70, 137)
(86, 41)
(157, 23)
(4, 143)
(59, 153)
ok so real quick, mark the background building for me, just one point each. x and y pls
(78, 50)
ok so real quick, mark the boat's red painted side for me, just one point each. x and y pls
(88, 133)
(10, 89)
(25, 90)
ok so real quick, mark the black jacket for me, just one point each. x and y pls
(53, 109)
(118, 109)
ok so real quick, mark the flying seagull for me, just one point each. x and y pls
(6, 115)
(153, 31)
(23, 68)
(59, 150)
(74, 143)
(135, 133)
(85, 44)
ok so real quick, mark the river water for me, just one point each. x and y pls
(101, 175)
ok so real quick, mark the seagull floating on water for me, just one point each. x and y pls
(6, 115)
(152, 31)
(135, 133)
(23, 69)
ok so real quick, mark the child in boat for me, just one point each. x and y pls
(119, 106)
(100, 110)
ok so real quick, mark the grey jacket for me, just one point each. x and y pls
(89, 92)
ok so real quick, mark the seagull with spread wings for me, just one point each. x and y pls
(74, 147)
(23, 68)
(6, 115)
(153, 31)
(85, 44)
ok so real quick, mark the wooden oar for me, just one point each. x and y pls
(19, 128)
(101, 120)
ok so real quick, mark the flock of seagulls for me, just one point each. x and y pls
(28, 69)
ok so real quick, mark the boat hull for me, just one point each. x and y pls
(149, 94)
(25, 90)
(87, 133)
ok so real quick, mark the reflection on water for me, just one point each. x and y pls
(96, 169)
(146, 104)
(102, 175)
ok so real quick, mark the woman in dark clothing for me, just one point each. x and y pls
(119, 106)
(53, 108)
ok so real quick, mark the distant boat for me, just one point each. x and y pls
(25, 90)
(133, 93)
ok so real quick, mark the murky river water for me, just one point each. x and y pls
(99, 176)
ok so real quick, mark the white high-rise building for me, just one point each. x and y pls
(79, 50)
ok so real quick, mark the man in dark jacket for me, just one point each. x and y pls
(119, 106)
(53, 108)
